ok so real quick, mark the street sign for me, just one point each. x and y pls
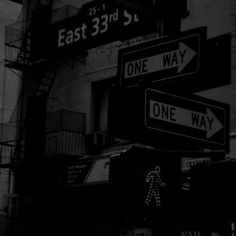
(178, 57)
(97, 23)
(185, 117)
(182, 65)
(86, 172)
(163, 59)
(167, 121)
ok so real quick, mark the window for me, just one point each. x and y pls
(100, 97)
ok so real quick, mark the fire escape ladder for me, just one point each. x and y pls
(20, 56)
(42, 90)
(45, 84)
(18, 50)
(18, 38)
(24, 54)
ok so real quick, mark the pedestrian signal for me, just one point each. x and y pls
(145, 183)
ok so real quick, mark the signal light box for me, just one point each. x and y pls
(145, 183)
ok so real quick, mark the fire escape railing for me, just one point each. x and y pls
(18, 36)
(8, 140)
(65, 133)
(64, 136)
(20, 56)
(16, 51)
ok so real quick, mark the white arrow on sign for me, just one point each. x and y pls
(202, 121)
(177, 58)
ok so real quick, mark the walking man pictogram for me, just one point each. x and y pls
(155, 181)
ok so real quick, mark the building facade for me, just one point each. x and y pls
(69, 168)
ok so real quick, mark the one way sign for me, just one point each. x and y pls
(202, 119)
(178, 58)
(162, 60)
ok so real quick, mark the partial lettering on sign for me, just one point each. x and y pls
(89, 172)
(66, 37)
(190, 233)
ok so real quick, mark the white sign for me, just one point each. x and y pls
(173, 114)
(99, 172)
(176, 58)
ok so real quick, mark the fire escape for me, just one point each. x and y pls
(32, 134)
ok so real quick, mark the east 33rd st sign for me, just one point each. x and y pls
(97, 23)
